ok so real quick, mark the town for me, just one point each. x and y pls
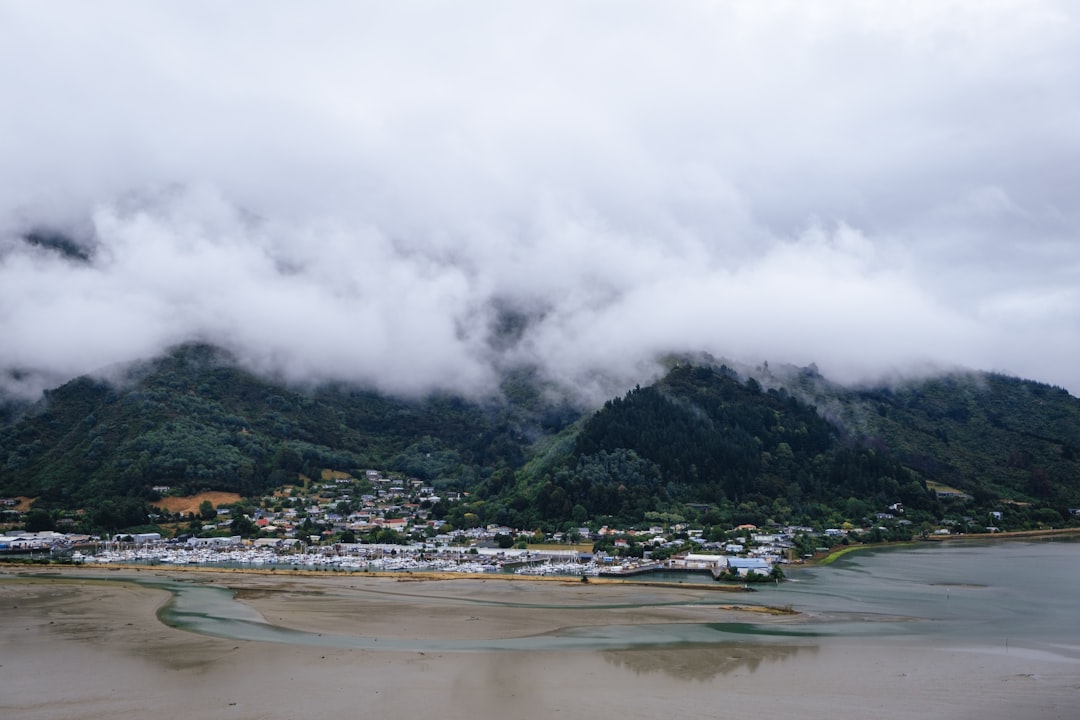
(389, 522)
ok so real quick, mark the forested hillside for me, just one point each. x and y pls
(702, 444)
(195, 421)
(988, 435)
(703, 441)
(706, 443)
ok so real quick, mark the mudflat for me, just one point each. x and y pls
(89, 644)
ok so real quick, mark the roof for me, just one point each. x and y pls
(750, 563)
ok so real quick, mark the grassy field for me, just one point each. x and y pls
(191, 504)
(942, 488)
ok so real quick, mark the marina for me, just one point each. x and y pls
(382, 558)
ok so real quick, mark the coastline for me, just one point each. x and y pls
(87, 644)
(840, 551)
(399, 576)
(1013, 535)
(387, 608)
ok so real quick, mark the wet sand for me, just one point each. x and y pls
(91, 649)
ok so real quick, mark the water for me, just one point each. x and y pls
(1023, 593)
(994, 595)
(953, 631)
(214, 611)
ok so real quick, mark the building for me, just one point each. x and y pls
(745, 566)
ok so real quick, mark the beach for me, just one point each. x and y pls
(89, 644)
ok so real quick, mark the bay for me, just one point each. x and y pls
(945, 630)
(1016, 593)
(988, 595)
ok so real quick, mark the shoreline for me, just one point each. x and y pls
(437, 608)
(839, 552)
(399, 576)
(83, 643)
(240, 579)
(1011, 535)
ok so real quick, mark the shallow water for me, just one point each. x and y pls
(215, 611)
(1020, 593)
(1003, 596)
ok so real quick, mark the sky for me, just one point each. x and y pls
(364, 192)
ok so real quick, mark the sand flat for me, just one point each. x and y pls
(88, 649)
(471, 609)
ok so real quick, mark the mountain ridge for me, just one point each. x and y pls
(703, 441)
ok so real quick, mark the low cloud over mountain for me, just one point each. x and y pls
(420, 194)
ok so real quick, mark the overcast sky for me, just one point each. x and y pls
(354, 190)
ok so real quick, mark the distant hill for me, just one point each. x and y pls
(704, 444)
(986, 434)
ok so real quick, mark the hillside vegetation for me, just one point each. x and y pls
(703, 444)
(194, 421)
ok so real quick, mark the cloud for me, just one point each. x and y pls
(361, 192)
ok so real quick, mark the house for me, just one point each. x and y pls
(393, 523)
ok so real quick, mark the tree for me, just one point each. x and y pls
(579, 514)
(206, 510)
(39, 520)
(242, 526)
(1047, 516)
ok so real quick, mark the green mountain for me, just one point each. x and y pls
(194, 420)
(988, 435)
(704, 444)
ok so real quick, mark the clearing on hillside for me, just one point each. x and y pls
(191, 504)
(23, 504)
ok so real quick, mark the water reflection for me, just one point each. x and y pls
(701, 664)
(215, 611)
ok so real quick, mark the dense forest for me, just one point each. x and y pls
(195, 421)
(704, 444)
